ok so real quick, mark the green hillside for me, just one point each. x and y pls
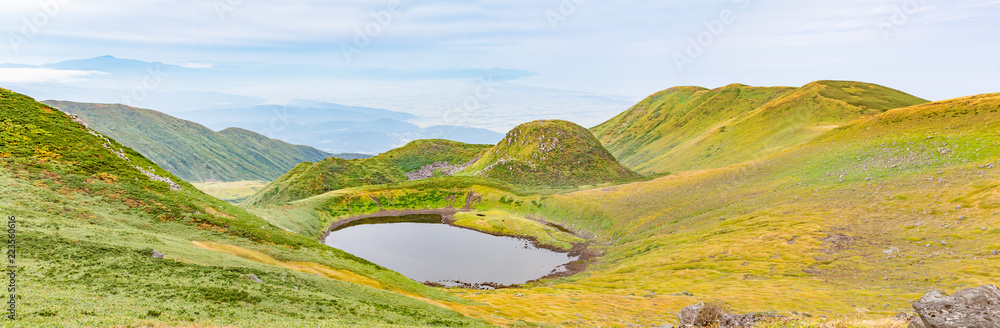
(551, 153)
(690, 128)
(310, 179)
(419, 153)
(844, 230)
(190, 150)
(90, 213)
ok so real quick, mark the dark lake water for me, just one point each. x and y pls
(441, 253)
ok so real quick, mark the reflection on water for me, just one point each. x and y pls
(442, 253)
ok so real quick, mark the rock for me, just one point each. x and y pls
(254, 278)
(744, 320)
(157, 255)
(689, 315)
(994, 252)
(916, 322)
(972, 307)
(666, 325)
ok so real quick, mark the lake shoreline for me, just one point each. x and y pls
(580, 250)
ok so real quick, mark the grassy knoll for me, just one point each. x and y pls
(854, 224)
(549, 153)
(90, 213)
(232, 192)
(690, 128)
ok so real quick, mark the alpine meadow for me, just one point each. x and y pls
(501, 164)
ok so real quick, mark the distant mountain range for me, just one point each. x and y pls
(190, 150)
(487, 98)
(335, 128)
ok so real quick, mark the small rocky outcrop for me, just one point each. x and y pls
(716, 315)
(977, 307)
(157, 255)
(688, 315)
(445, 168)
(254, 278)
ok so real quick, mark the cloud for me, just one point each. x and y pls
(43, 75)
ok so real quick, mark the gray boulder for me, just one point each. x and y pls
(157, 255)
(688, 316)
(916, 322)
(970, 308)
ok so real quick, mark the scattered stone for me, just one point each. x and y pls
(994, 252)
(157, 255)
(971, 307)
(745, 320)
(445, 168)
(688, 315)
(666, 325)
(715, 315)
(254, 278)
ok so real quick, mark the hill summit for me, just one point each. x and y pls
(693, 128)
(549, 152)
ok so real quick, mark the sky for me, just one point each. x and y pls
(933, 49)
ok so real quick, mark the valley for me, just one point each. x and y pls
(837, 203)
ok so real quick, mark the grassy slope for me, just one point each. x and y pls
(232, 192)
(419, 153)
(690, 128)
(310, 179)
(804, 230)
(88, 222)
(190, 150)
(549, 152)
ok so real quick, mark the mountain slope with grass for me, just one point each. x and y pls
(91, 212)
(690, 128)
(310, 179)
(846, 229)
(551, 153)
(190, 150)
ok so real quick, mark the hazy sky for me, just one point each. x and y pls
(932, 48)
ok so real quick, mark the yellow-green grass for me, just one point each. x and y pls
(503, 223)
(232, 192)
(812, 231)
(91, 266)
(88, 221)
(690, 128)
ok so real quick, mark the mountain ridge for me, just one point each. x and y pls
(189, 149)
(685, 128)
